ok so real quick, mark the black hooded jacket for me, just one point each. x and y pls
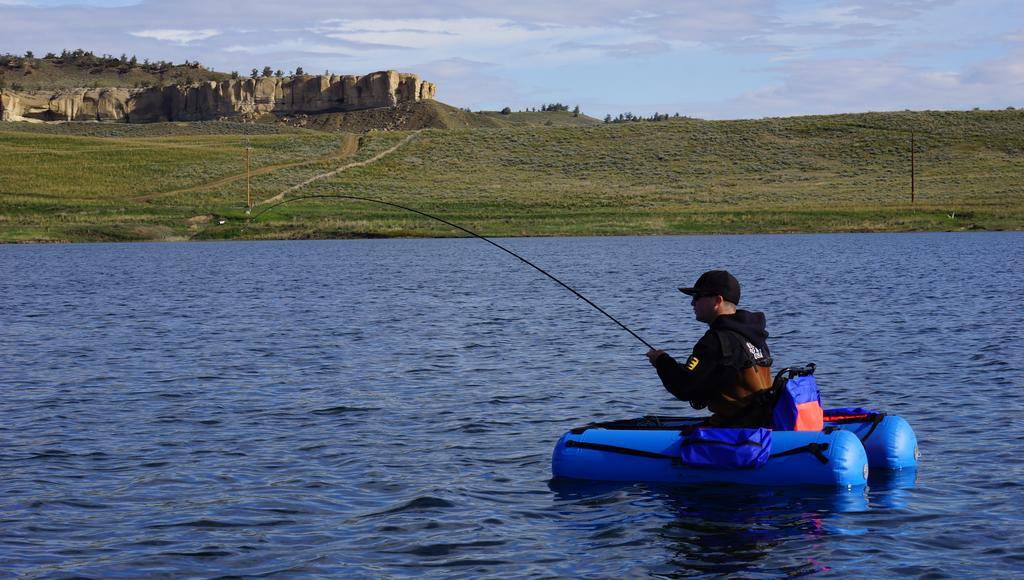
(711, 368)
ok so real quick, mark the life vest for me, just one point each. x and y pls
(741, 402)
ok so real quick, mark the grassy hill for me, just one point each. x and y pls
(430, 115)
(539, 119)
(82, 182)
(82, 69)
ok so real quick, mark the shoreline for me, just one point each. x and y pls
(184, 240)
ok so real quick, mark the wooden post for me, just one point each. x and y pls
(912, 169)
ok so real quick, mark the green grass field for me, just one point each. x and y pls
(171, 181)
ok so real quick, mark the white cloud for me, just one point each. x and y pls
(432, 33)
(454, 38)
(289, 46)
(620, 50)
(897, 10)
(853, 85)
(1002, 74)
(462, 81)
(177, 36)
(84, 3)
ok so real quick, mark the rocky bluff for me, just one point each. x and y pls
(245, 98)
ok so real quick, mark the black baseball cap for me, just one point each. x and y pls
(716, 283)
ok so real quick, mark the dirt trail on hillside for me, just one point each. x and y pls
(349, 147)
(377, 157)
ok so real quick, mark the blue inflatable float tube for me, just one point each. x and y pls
(889, 441)
(835, 459)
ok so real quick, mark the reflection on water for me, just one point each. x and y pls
(891, 489)
(734, 529)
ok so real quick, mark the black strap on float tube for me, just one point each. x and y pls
(816, 449)
(460, 228)
(876, 420)
(622, 450)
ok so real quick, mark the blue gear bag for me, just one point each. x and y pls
(725, 448)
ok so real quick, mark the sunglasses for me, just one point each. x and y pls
(696, 297)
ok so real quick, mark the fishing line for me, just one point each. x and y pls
(470, 232)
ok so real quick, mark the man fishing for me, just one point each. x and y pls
(730, 365)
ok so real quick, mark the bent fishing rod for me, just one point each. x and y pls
(470, 232)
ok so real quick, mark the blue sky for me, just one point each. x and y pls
(722, 59)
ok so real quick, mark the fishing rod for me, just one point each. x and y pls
(470, 232)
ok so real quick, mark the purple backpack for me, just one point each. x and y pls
(725, 448)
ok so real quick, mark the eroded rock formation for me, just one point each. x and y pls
(245, 98)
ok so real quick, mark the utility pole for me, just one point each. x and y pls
(912, 169)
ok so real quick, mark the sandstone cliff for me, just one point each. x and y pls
(237, 98)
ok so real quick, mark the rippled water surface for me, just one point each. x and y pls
(388, 408)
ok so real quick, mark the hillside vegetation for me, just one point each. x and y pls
(83, 69)
(430, 114)
(93, 182)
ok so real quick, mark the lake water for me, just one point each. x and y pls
(387, 408)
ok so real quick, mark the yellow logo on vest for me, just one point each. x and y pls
(692, 363)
